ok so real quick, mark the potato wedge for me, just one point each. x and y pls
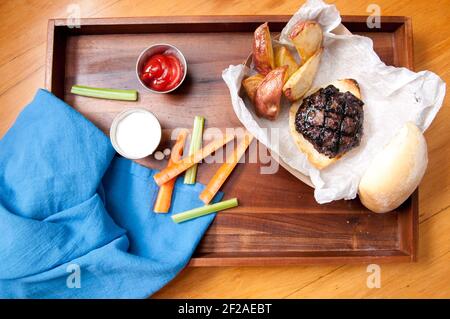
(307, 38)
(300, 82)
(251, 84)
(262, 50)
(284, 57)
(268, 94)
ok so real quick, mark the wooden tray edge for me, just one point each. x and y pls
(295, 261)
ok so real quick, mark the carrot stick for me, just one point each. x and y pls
(164, 199)
(170, 172)
(225, 170)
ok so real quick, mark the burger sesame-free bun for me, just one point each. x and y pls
(395, 172)
(314, 157)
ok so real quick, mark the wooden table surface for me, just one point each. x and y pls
(22, 56)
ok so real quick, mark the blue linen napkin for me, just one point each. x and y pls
(76, 221)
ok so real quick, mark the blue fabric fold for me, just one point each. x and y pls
(76, 220)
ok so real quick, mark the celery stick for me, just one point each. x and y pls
(103, 93)
(196, 144)
(204, 210)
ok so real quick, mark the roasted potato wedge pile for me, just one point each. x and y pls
(278, 70)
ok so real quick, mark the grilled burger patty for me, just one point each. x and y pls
(331, 121)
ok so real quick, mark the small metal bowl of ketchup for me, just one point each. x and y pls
(161, 68)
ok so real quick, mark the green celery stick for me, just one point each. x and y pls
(204, 210)
(196, 144)
(102, 93)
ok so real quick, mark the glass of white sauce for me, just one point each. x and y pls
(135, 133)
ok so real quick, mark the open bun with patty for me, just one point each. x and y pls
(316, 158)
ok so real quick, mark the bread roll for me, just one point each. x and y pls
(319, 160)
(395, 172)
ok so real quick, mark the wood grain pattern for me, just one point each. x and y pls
(23, 38)
(272, 225)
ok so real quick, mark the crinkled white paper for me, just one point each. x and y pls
(392, 96)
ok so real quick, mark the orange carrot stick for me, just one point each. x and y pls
(225, 170)
(170, 172)
(164, 199)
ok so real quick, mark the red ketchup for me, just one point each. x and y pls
(162, 72)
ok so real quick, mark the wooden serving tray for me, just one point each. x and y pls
(278, 221)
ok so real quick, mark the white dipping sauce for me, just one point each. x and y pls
(136, 133)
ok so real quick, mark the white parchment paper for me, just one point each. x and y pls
(392, 96)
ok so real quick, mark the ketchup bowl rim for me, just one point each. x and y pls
(167, 46)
